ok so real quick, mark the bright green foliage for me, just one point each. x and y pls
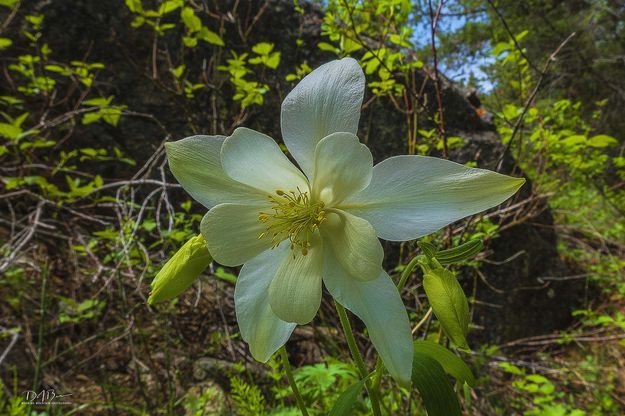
(74, 312)
(248, 399)
(5, 43)
(265, 55)
(379, 19)
(152, 18)
(301, 70)
(83, 71)
(12, 406)
(36, 84)
(247, 92)
(544, 399)
(250, 92)
(106, 112)
(195, 30)
(13, 130)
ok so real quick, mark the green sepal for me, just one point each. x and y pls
(181, 270)
(448, 302)
(429, 249)
(453, 255)
(460, 253)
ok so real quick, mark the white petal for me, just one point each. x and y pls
(255, 159)
(295, 291)
(260, 327)
(231, 232)
(378, 304)
(196, 163)
(326, 101)
(343, 166)
(355, 244)
(412, 196)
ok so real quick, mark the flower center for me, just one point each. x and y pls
(294, 216)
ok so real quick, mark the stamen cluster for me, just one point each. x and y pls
(294, 216)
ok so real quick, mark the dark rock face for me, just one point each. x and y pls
(512, 303)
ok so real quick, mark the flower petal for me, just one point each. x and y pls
(254, 159)
(378, 304)
(231, 232)
(354, 243)
(295, 291)
(260, 327)
(196, 163)
(412, 196)
(343, 166)
(326, 101)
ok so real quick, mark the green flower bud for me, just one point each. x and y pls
(181, 270)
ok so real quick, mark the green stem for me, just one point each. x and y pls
(407, 271)
(357, 357)
(289, 376)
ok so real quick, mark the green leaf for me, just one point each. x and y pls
(347, 399)
(428, 248)
(135, 6)
(10, 131)
(169, 6)
(190, 20)
(574, 140)
(189, 41)
(327, 47)
(91, 117)
(451, 363)
(499, 48)
(263, 48)
(5, 43)
(273, 61)
(449, 304)
(602, 140)
(434, 387)
(100, 101)
(210, 37)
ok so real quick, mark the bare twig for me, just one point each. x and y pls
(513, 37)
(435, 17)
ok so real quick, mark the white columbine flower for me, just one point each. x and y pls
(293, 229)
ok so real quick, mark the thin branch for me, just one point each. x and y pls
(516, 44)
(435, 17)
(529, 101)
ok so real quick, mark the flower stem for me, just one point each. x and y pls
(289, 375)
(407, 271)
(357, 357)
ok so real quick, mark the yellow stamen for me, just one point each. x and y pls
(294, 216)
